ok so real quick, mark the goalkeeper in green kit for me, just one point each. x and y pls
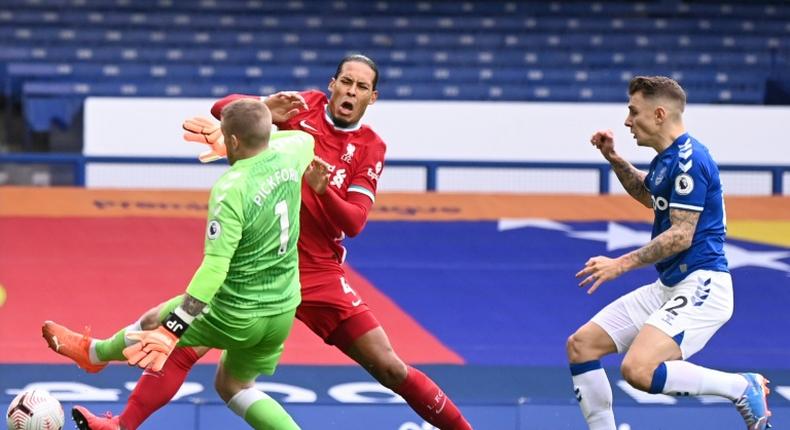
(243, 298)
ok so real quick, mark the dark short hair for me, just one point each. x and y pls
(658, 86)
(360, 59)
(249, 120)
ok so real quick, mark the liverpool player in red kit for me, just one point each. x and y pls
(335, 204)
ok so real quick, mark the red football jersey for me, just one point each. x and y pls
(356, 155)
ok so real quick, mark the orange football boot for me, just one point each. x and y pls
(71, 344)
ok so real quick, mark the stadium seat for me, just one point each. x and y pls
(542, 50)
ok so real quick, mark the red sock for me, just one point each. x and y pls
(430, 402)
(155, 390)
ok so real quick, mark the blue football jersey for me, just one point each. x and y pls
(684, 176)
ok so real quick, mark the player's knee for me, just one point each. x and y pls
(223, 392)
(638, 374)
(225, 388)
(572, 348)
(577, 349)
(390, 372)
(219, 387)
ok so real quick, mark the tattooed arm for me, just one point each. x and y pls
(192, 306)
(204, 285)
(633, 179)
(676, 239)
(153, 347)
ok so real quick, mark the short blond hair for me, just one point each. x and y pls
(249, 120)
(653, 87)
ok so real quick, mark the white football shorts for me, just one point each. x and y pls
(689, 312)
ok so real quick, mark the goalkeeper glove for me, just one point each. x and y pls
(154, 346)
(203, 130)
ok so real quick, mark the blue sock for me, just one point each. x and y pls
(659, 379)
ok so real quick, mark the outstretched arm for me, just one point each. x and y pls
(674, 240)
(283, 105)
(223, 233)
(216, 109)
(155, 346)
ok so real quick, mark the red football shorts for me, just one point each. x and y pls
(332, 309)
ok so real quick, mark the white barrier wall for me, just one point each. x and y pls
(140, 127)
(476, 131)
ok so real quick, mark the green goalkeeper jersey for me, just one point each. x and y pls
(253, 220)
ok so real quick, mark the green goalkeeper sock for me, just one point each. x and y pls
(261, 411)
(267, 414)
(111, 349)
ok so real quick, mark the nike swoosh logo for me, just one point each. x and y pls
(304, 124)
(441, 408)
(57, 344)
(356, 303)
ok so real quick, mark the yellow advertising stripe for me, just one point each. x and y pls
(767, 232)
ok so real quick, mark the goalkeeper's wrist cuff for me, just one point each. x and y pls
(178, 322)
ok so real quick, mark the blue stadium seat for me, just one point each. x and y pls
(503, 50)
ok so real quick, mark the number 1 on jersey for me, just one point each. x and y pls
(281, 210)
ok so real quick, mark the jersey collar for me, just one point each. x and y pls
(353, 127)
(681, 140)
(675, 146)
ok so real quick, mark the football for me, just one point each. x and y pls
(35, 410)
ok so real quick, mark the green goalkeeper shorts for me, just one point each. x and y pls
(252, 346)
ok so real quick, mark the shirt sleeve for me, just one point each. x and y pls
(366, 177)
(216, 109)
(314, 98)
(689, 183)
(315, 101)
(348, 215)
(208, 278)
(223, 232)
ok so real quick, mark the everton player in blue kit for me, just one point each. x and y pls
(660, 325)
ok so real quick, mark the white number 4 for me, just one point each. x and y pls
(348, 290)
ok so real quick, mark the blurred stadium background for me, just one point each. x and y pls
(101, 205)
